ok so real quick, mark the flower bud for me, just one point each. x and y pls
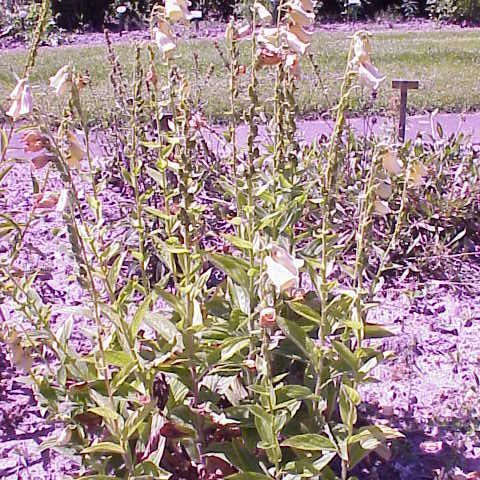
(268, 317)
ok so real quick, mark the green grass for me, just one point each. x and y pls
(446, 63)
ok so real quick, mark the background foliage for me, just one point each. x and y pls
(72, 14)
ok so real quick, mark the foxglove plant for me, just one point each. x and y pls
(254, 377)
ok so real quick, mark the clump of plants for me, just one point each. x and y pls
(20, 19)
(227, 336)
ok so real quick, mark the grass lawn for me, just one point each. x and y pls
(446, 63)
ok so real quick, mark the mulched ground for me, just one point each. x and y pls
(427, 389)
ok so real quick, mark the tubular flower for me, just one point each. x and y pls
(75, 151)
(263, 14)
(369, 76)
(282, 268)
(299, 15)
(152, 77)
(390, 162)
(237, 33)
(51, 200)
(42, 160)
(289, 42)
(308, 5)
(165, 39)
(302, 34)
(268, 36)
(362, 48)
(384, 189)
(243, 31)
(19, 356)
(295, 44)
(268, 56)
(22, 100)
(177, 11)
(293, 64)
(417, 174)
(81, 81)
(61, 82)
(35, 141)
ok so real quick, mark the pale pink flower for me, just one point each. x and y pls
(165, 39)
(295, 44)
(263, 14)
(299, 15)
(369, 76)
(22, 100)
(51, 200)
(35, 141)
(41, 160)
(268, 56)
(61, 82)
(390, 161)
(283, 268)
(302, 34)
(75, 151)
(177, 11)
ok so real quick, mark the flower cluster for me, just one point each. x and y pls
(288, 42)
(61, 82)
(174, 11)
(368, 74)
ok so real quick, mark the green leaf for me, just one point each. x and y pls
(137, 418)
(104, 412)
(234, 267)
(352, 394)
(122, 375)
(118, 358)
(248, 476)
(265, 423)
(163, 326)
(155, 175)
(239, 242)
(298, 336)
(309, 442)
(157, 213)
(173, 301)
(348, 411)
(139, 316)
(306, 312)
(5, 172)
(268, 220)
(65, 331)
(372, 330)
(104, 447)
(324, 460)
(346, 355)
(233, 347)
(114, 272)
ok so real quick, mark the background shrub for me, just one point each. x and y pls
(72, 14)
